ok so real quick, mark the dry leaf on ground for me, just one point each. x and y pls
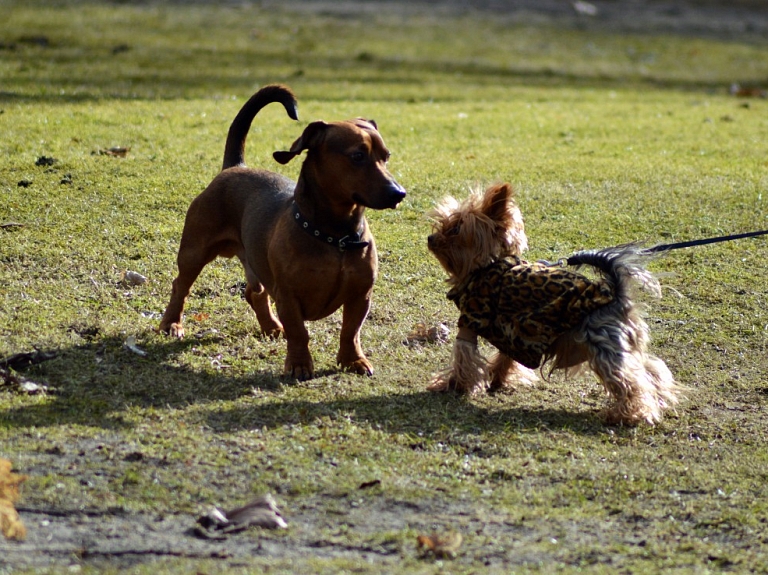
(422, 333)
(131, 278)
(261, 512)
(130, 344)
(10, 522)
(117, 151)
(441, 546)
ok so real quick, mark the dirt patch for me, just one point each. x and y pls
(738, 20)
(121, 540)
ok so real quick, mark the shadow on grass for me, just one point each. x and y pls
(420, 413)
(95, 383)
(75, 84)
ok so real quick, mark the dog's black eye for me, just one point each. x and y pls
(357, 157)
(453, 231)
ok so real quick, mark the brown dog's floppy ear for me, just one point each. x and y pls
(495, 202)
(365, 123)
(308, 139)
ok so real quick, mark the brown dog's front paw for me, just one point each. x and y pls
(174, 329)
(361, 367)
(301, 371)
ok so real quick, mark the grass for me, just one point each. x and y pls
(607, 138)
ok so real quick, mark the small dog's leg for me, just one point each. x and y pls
(666, 390)
(641, 385)
(259, 300)
(640, 394)
(652, 391)
(468, 372)
(351, 356)
(505, 372)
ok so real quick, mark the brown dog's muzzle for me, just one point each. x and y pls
(387, 197)
(394, 194)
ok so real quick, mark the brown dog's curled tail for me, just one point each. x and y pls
(234, 151)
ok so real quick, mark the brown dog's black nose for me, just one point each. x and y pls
(396, 193)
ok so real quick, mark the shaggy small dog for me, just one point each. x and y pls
(538, 313)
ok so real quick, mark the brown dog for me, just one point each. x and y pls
(305, 244)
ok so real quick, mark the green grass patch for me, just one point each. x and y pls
(607, 139)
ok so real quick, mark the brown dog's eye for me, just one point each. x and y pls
(357, 157)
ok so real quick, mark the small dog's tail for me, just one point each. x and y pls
(623, 266)
(617, 336)
(234, 151)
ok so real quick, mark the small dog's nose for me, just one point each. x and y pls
(430, 240)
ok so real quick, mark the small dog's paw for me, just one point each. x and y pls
(617, 415)
(498, 385)
(524, 376)
(361, 367)
(442, 383)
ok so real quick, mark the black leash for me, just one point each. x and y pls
(692, 243)
(574, 260)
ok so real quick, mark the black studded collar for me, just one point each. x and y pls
(348, 242)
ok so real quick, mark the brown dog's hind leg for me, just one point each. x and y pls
(259, 300)
(190, 266)
(351, 356)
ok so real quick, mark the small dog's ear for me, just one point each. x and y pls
(309, 138)
(496, 201)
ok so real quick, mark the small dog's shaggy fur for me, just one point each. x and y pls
(539, 314)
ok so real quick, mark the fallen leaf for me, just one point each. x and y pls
(748, 91)
(117, 151)
(213, 332)
(584, 8)
(421, 333)
(440, 546)
(19, 383)
(10, 522)
(22, 360)
(130, 344)
(132, 278)
(18, 361)
(261, 512)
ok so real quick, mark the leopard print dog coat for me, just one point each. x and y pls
(521, 308)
